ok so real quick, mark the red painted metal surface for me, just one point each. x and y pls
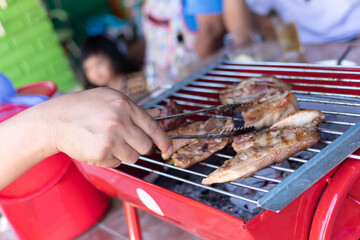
(293, 222)
(338, 213)
(132, 220)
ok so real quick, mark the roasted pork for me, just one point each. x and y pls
(198, 151)
(252, 89)
(270, 108)
(193, 128)
(201, 149)
(171, 108)
(196, 128)
(285, 138)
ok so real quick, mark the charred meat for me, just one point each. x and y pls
(201, 149)
(196, 128)
(270, 108)
(171, 108)
(285, 138)
(252, 89)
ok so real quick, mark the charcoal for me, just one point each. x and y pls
(211, 198)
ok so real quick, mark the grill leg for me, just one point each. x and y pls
(132, 220)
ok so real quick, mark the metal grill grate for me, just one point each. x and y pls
(315, 88)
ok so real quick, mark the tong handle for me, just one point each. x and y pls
(233, 133)
(185, 114)
(218, 109)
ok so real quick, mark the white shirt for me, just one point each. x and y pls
(317, 20)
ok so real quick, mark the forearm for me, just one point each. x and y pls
(101, 127)
(22, 145)
(210, 34)
(237, 20)
(206, 45)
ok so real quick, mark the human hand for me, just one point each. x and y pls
(101, 127)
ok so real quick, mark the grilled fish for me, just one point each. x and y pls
(285, 138)
(171, 108)
(201, 149)
(270, 108)
(193, 128)
(252, 89)
(196, 128)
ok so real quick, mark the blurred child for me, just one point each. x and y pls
(104, 65)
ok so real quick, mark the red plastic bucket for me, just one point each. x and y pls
(63, 208)
(52, 200)
(46, 88)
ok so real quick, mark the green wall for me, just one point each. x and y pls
(29, 47)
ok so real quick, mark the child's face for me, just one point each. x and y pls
(98, 69)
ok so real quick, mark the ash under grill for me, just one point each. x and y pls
(315, 88)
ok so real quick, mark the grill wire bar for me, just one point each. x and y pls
(344, 128)
(189, 182)
(281, 69)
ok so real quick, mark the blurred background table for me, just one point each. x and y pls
(321, 52)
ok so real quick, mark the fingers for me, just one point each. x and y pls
(119, 131)
(145, 123)
(106, 160)
(154, 112)
(110, 162)
(138, 140)
(150, 127)
(125, 153)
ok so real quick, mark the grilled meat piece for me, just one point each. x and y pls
(201, 149)
(196, 128)
(252, 89)
(307, 118)
(257, 151)
(193, 128)
(171, 108)
(270, 108)
(198, 151)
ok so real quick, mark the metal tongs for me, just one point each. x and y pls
(224, 133)
(228, 108)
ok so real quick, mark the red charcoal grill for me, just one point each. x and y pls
(318, 199)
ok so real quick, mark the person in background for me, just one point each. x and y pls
(238, 21)
(317, 21)
(208, 23)
(100, 126)
(211, 23)
(104, 65)
(201, 24)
